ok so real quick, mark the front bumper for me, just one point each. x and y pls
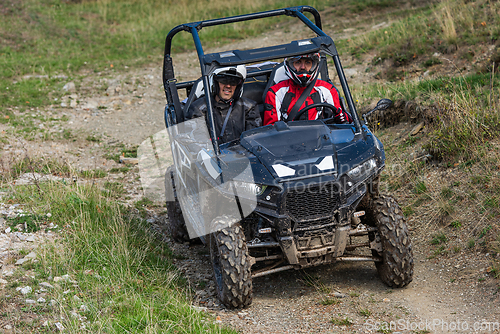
(312, 227)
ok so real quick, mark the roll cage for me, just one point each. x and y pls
(208, 62)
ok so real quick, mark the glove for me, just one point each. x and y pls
(341, 117)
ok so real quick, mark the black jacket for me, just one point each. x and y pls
(244, 116)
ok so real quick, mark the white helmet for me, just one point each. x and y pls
(229, 75)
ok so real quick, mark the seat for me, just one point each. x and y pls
(197, 91)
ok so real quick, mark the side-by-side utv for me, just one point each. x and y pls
(285, 196)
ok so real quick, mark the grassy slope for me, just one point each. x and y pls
(54, 38)
(139, 290)
(462, 125)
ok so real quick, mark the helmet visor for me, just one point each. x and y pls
(228, 79)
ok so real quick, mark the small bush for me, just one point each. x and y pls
(439, 239)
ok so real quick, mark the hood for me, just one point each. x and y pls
(294, 150)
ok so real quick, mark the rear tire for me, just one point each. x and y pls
(230, 261)
(396, 268)
(176, 224)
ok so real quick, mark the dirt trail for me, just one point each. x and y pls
(295, 301)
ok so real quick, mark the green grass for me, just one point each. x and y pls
(29, 222)
(420, 187)
(125, 277)
(116, 170)
(46, 43)
(467, 111)
(364, 312)
(439, 238)
(441, 250)
(37, 165)
(91, 174)
(122, 151)
(429, 30)
(329, 301)
(341, 321)
(114, 189)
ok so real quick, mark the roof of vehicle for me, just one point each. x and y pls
(234, 57)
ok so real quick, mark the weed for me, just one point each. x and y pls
(456, 249)
(446, 193)
(341, 321)
(353, 294)
(408, 211)
(480, 179)
(91, 174)
(39, 165)
(456, 224)
(491, 202)
(421, 199)
(94, 139)
(114, 189)
(471, 243)
(431, 62)
(316, 283)
(364, 312)
(495, 269)
(439, 238)
(420, 188)
(115, 170)
(445, 208)
(68, 135)
(142, 206)
(130, 152)
(329, 301)
(484, 231)
(30, 222)
(384, 328)
(440, 251)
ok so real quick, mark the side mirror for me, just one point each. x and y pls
(381, 105)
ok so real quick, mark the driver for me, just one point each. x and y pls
(233, 113)
(302, 71)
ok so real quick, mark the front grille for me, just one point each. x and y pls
(316, 201)
(314, 224)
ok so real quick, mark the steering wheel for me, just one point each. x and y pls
(315, 105)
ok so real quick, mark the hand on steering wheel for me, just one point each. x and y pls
(316, 105)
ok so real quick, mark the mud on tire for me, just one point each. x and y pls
(230, 261)
(396, 268)
(176, 224)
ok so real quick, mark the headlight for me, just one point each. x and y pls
(250, 188)
(362, 170)
(245, 188)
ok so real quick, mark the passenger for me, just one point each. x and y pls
(302, 71)
(233, 113)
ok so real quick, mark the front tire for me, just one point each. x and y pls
(396, 268)
(230, 261)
